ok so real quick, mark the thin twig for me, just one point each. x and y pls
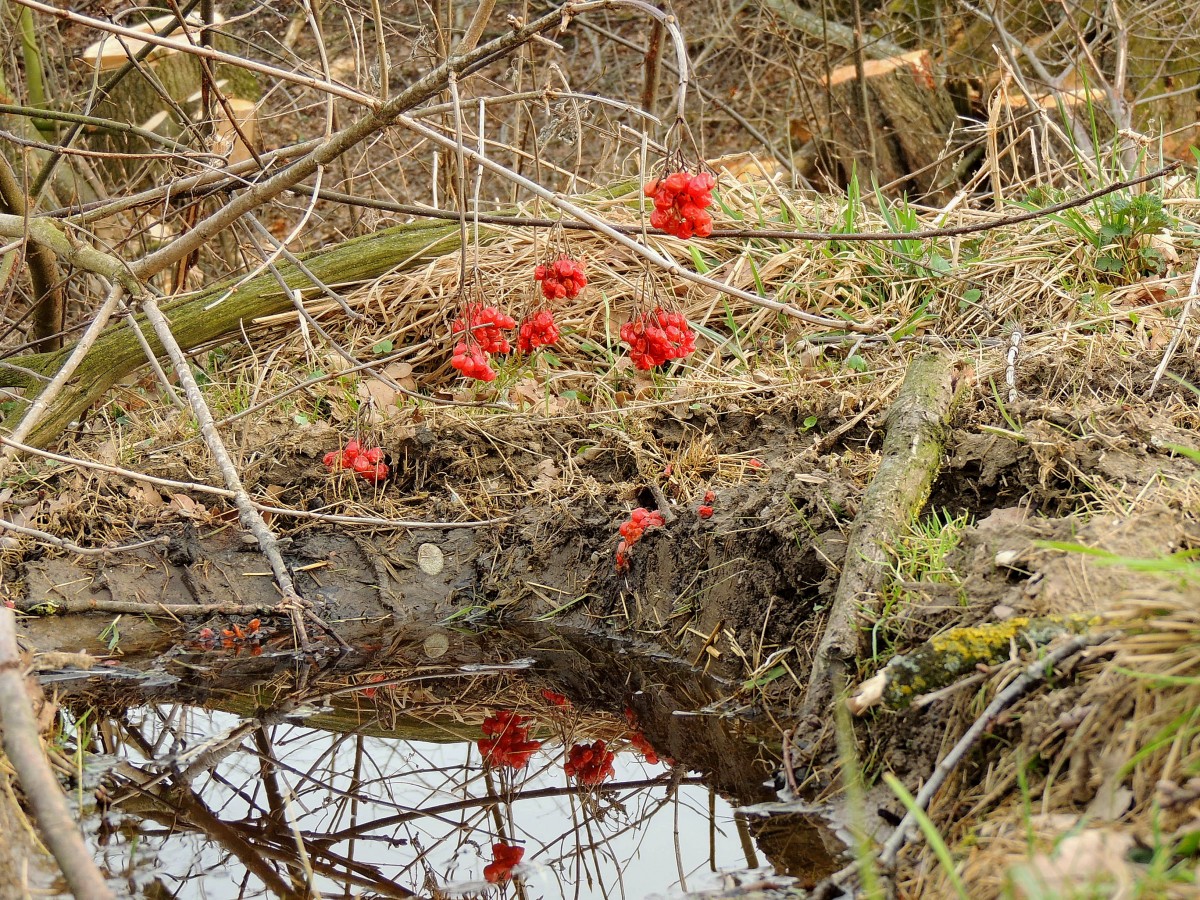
(46, 538)
(755, 233)
(250, 517)
(196, 487)
(41, 403)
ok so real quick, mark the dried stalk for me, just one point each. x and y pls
(291, 602)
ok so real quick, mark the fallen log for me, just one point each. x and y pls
(916, 428)
(198, 319)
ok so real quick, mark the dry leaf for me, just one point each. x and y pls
(1091, 859)
(187, 507)
(146, 495)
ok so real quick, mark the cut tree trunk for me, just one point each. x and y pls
(893, 125)
(195, 321)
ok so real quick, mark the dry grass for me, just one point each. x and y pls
(1103, 755)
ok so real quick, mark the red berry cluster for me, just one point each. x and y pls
(507, 742)
(370, 692)
(632, 530)
(556, 698)
(366, 462)
(562, 278)
(485, 324)
(658, 336)
(590, 764)
(681, 202)
(705, 510)
(470, 359)
(539, 330)
(504, 857)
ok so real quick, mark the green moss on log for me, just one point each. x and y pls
(195, 321)
(943, 660)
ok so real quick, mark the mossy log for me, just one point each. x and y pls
(916, 426)
(195, 321)
(943, 660)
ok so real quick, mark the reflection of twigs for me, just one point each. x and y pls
(1037, 672)
(475, 802)
(24, 750)
(185, 807)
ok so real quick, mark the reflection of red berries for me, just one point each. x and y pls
(504, 857)
(539, 330)
(658, 336)
(562, 278)
(681, 203)
(507, 742)
(639, 742)
(590, 765)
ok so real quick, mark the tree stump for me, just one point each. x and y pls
(894, 124)
(163, 96)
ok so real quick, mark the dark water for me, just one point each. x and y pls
(259, 776)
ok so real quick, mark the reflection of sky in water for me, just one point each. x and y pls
(628, 845)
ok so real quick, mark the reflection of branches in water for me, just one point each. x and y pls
(295, 810)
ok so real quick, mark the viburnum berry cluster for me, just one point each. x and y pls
(632, 530)
(563, 278)
(639, 742)
(504, 858)
(482, 327)
(470, 359)
(507, 740)
(591, 765)
(658, 336)
(367, 463)
(485, 324)
(539, 330)
(681, 204)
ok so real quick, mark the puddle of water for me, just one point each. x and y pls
(364, 787)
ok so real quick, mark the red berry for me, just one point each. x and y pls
(332, 459)
(704, 512)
